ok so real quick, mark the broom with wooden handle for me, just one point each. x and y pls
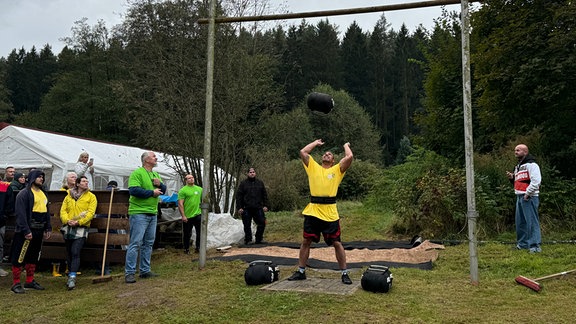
(102, 277)
(534, 284)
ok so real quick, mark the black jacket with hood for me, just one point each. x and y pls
(25, 203)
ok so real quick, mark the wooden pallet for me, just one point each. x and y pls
(54, 249)
(315, 285)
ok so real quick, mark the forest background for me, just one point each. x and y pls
(398, 96)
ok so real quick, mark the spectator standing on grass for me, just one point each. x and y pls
(252, 203)
(32, 225)
(189, 198)
(321, 214)
(144, 185)
(526, 178)
(6, 208)
(76, 213)
(85, 167)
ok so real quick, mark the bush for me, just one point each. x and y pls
(286, 186)
(427, 196)
(285, 181)
(494, 193)
(557, 202)
(358, 181)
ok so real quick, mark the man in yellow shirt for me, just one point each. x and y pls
(321, 215)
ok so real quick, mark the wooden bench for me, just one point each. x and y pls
(54, 248)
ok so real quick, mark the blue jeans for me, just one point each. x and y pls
(142, 236)
(73, 250)
(527, 223)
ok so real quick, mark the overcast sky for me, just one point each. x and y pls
(27, 23)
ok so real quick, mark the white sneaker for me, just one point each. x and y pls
(3, 273)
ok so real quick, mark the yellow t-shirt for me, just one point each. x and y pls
(40, 201)
(323, 183)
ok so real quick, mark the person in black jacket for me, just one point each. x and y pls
(19, 181)
(252, 203)
(32, 226)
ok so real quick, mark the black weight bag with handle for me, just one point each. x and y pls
(261, 272)
(377, 278)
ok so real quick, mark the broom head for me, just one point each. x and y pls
(101, 279)
(528, 283)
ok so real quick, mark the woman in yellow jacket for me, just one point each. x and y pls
(77, 211)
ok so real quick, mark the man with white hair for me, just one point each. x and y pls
(144, 185)
(69, 181)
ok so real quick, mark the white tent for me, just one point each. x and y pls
(56, 154)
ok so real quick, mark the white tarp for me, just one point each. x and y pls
(223, 229)
(56, 154)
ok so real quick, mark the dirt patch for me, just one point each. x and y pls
(425, 252)
(144, 295)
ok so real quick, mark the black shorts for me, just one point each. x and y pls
(313, 226)
(32, 254)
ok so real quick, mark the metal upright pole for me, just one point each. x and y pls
(206, 169)
(472, 214)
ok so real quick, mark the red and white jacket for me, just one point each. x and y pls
(527, 177)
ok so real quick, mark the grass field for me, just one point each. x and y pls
(218, 294)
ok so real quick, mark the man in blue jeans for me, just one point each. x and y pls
(144, 186)
(526, 179)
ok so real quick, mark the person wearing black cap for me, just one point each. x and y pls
(19, 181)
(112, 185)
(32, 226)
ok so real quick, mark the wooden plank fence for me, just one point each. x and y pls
(53, 249)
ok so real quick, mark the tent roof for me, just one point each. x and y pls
(26, 148)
